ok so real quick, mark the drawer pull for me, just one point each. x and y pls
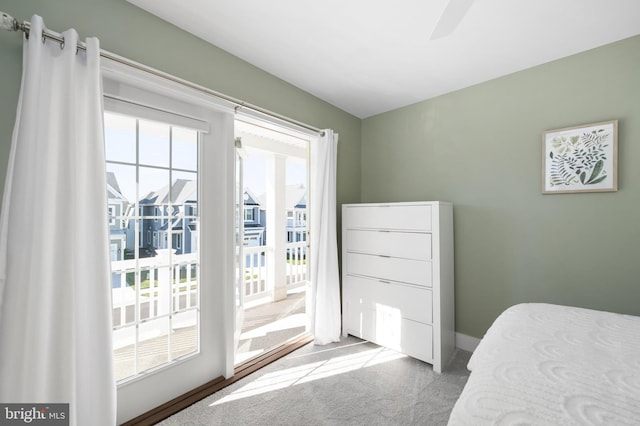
(386, 256)
(384, 282)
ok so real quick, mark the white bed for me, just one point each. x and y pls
(542, 364)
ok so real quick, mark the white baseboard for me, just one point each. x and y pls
(466, 343)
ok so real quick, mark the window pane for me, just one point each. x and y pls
(154, 143)
(124, 349)
(123, 299)
(121, 184)
(184, 149)
(184, 190)
(153, 346)
(153, 217)
(120, 138)
(154, 189)
(184, 338)
(185, 291)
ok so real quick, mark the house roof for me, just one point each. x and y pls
(113, 188)
(181, 192)
(250, 198)
(296, 196)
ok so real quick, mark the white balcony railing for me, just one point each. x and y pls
(296, 263)
(296, 223)
(166, 290)
(256, 261)
(255, 271)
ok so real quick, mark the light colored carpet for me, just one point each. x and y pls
(348, 383)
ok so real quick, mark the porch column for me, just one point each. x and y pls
(276, 226)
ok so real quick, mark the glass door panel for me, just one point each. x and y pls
(152, 186)
(274, 216)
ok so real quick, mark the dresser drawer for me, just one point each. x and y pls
(357, 320)
(387, 328)
(403, 217)
(409, 245)
(390, 268)
(414, 303)
(417, 340)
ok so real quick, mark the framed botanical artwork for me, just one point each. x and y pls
(580, 159)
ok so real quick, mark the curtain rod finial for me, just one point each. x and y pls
(8, 22)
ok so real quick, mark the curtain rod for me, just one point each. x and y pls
(10, 23)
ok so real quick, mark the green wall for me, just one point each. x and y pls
(480, 148)
(135, 34)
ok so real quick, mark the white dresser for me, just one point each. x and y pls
(397, 277)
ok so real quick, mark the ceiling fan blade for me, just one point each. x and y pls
(450, 18)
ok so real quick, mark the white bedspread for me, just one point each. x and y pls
(542, 364)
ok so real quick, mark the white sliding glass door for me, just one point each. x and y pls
(195, 252)
(152, 182)
(170, 173)
(275, 244)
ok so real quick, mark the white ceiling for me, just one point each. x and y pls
(371, 56)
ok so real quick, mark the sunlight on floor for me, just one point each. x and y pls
(312, 371)
(292, 321)
(271, 325)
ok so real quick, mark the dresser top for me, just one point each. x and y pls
(400, 203)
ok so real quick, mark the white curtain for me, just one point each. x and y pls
(55, 285)
(325, 284)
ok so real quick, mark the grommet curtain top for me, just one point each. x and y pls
(10, 23)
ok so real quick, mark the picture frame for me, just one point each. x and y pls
(580, 159)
